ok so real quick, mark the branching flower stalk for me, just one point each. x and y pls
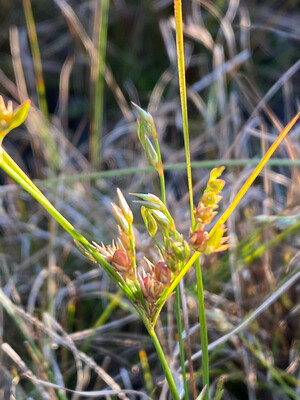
(146, 127)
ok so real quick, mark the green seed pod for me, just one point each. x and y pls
(151, 201)
(146, 121)
(149, 221)
(151, 153)
(141, 132)
(162, 219)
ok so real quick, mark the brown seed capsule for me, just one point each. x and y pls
(120, 261)
(151, 288)
(162, 273)
(199, 238)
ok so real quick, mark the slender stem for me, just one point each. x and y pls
(160, 171)
(98, 68)
(13, 170)
(255, 173)
(168, 167)
(164, 362)
(183, 98)
(36, 57)
(147, 372)
(203, 329)
(181, 343)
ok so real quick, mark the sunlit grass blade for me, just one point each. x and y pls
(254, 174)
(183, 99)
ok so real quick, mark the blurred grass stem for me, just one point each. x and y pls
(97, 77)
(36, 57)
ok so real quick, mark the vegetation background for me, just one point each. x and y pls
(80, 144)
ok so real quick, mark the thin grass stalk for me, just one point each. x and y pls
(36, 57)
(12, 169)
(98, 63)
(146, 371)
(181, 343)
(31, 346)
(255, 173)
(255, 253)
(287, 162)
(203, 329)
(183, 98)
(164, 362)
(161, 174)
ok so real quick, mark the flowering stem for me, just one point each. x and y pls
(181, 343)
(161, 174)
(20, 177)
(203, 328)
(163, 361)
(183, 98)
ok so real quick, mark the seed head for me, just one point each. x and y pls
(151, 288)
(162, 273)
(199, 238)
(120, 261)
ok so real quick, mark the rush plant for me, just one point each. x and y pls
(150, 283)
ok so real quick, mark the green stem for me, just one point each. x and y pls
(100, 25)
(28, 185)
(168, 167)
(36, 57)
(181, 343)
(183, 98)
(163, 361)
(203, 329)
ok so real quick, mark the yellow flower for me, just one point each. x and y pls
(10, 119)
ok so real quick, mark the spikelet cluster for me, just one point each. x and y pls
(174, 251)
(204, 214)
(121, 254)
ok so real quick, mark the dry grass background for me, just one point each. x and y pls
(243, 86)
